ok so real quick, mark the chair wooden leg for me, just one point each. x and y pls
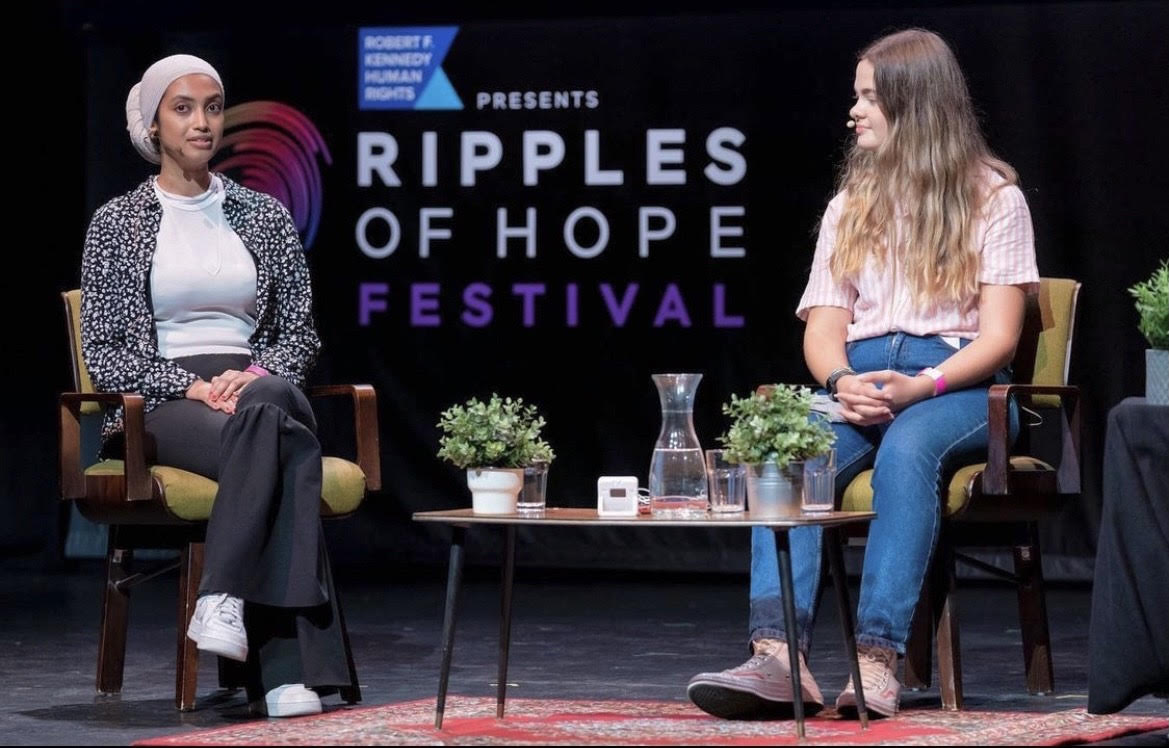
(115, 610)
(1033, 615)
(949, 649)
(187, 659)
(918, 660)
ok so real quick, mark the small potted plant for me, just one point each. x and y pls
(1152, 297)
(493, 441)
(772, 434)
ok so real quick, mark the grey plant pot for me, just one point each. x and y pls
(1157, 376)
(773, 493)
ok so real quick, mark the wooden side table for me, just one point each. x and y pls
(461, 520)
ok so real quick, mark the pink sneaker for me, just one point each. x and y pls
(878, 668)
(760, 687)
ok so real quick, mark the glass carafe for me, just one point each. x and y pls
(677, 472)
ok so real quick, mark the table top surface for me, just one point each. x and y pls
(584, 517)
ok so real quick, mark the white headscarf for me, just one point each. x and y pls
(146, 95)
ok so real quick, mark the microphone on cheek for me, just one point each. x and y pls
(851, 123)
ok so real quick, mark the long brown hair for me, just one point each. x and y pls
(934, 167)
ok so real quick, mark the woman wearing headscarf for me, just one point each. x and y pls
(196, 295)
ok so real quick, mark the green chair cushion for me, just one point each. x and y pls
(189, 496)
(858, 497)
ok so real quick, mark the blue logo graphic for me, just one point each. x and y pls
(400, 67)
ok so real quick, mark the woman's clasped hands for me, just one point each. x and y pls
(222, 392)
(875, 397)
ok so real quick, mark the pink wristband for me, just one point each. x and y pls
(938, 376)
(259, 371)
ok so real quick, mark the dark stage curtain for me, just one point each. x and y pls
(1070, 95)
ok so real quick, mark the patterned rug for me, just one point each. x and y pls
(471, 721)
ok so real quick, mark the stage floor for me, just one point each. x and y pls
(574, 635)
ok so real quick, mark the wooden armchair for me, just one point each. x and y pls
(1000, 502)
(156, 506)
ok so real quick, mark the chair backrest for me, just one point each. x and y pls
(1045, 345)
(81, 379)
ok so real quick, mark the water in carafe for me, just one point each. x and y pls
(677, 473)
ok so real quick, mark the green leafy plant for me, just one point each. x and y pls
(500, 433)
(1152, 297)
(774, 425)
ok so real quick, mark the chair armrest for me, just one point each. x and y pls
(364, 424)
(995, 478)
(138, 483)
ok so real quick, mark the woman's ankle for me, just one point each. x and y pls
(769, 646)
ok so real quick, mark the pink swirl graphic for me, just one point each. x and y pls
(273, 148)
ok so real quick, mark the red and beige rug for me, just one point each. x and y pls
(471, 721)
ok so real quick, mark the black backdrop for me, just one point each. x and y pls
(1071, 94)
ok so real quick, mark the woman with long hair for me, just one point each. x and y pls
(914, 306)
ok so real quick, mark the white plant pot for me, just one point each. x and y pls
(1157, 376)
(494, 490)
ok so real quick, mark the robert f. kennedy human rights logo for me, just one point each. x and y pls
(400, 67)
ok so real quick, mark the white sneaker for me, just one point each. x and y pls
(202, 605)
(290, 700)
(217, 626)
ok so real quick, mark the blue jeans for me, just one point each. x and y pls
(910, 457)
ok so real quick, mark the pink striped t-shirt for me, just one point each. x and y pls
(879, 297)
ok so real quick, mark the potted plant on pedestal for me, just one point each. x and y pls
(1152, 297)
(493, 441)
(772, 434)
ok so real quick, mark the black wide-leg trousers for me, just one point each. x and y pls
(264, 540)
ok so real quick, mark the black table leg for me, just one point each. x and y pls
(505, 618)
(789, 625)
(840, 582)
(453, 582)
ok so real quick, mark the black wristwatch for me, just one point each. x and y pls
(834, 377)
